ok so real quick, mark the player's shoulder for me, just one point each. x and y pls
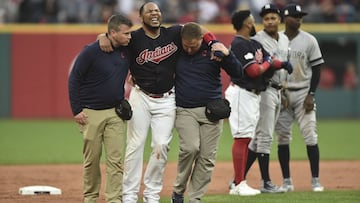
(90, 50)
(91, 47)
(283, 37)
(260, 36)
(139, 31)
(261, 33)
(175, 29)
(306, 35)
(256, 42)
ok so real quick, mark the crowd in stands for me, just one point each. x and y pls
(174, 11)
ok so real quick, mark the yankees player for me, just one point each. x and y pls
(244, 94)
(277, 45)
(198, 81)
(96, 85)
(306, 57)
(155, 49)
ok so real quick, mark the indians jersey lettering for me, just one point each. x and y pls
(154, 58)
(158, 55)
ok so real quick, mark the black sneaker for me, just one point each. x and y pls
(176, 198)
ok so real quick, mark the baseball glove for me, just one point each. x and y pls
(217, 109)
(309, 103)
(123, 110)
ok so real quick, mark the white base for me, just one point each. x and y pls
(38, 189)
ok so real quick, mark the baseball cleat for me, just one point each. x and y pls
(269, 187)
(287, 185)
(316, 186)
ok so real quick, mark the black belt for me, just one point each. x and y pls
(295, 88)
(255, 91)
(152, 95)
(276, 86)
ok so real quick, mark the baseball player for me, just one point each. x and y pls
(270, 104)
(155, 49)
(198, 82)
(96, 86)
(244, 94)
(306, 58)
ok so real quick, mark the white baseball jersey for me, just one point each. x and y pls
(280, 52)
(304, 53)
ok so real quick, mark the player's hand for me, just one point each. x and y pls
(219, 51)
(287, 66)
(105, 44)
(309, 103)
(81, 118)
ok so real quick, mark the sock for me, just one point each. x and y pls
(284, 159)
(250, 160)
(263, 160)
(239, 154)
(313, 155)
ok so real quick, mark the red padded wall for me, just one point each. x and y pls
(40, 64)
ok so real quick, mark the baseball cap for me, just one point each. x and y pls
(293, 10)
(269, 8)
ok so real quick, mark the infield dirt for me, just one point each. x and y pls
(334, 175)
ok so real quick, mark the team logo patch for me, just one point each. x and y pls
(249, 56)
(158, 55)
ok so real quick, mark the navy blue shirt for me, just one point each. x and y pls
(154, 64)
(249, 52)
(97, 78)
(198, 79)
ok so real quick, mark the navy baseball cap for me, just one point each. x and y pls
(269, 8)
(293, 10)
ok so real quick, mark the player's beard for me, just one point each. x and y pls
(252, 31)
(150, 27)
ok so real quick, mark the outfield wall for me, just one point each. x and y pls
(35, 61)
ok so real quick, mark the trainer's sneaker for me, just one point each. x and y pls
(316, 186)
(269, 187)
(287, 185)
(176, 198)
(243, 189)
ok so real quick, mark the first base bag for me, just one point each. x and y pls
(217, 109)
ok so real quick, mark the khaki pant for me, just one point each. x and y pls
(103, 128)
(198, 142)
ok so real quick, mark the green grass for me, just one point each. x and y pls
(293, 197)
(59, 141)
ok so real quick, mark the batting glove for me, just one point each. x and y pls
(287, 66)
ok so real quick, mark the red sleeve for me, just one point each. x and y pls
(276, 63)
(209, 37)
(255, 70)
